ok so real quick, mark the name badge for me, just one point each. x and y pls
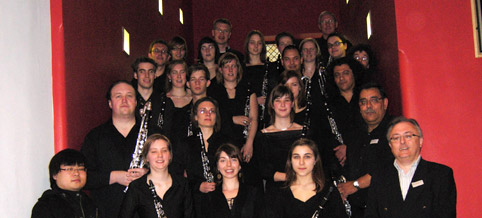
(417, 183)
(374, 141)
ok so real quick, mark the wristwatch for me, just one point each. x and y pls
(356, 184)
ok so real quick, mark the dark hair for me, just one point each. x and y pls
(142, 59)
(342, 38)
(68, 157)
(285, 76)
(197, 67)
(354, 65)
(231, 150)
(402, 119)
(225, 59)
(171, 66)
(373, 85)
(109, 91)
(284, 34)
(317, 173)
(207, 40)
(222, 20)
(246, 46)
(366, 48)
(178, 40)
(217, 125)
(278, 92)
(159, 41)
(151, 139)
(291, 47)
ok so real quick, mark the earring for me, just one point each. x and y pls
(219, 176)
(170, 80)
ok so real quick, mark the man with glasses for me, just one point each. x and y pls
(222, 33)
(410, 186)
(159, 52)
(367, 147)
(327, 24)
(68, 176)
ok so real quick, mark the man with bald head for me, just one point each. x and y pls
(411, 186)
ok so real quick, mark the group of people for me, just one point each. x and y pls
(238, 135)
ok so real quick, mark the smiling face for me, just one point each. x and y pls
(229, 167)
(145, 75)
(374, 110)
(178, 76)
(282, 106)
(308, 51)
(303, 160)
(294, 85)
(292, 60)
(255, 45)
(71, 177)
(178, 52)
(158, 155)
(405, 149)
(327, 24)
(160, 54)
(336, 47)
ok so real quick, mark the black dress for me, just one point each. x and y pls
(247, 204)
(283, 204)
(181, 123)
(274, 147)
(176, 202)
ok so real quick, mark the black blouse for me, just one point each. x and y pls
(176, 202)
(283, 204)
(247, 204)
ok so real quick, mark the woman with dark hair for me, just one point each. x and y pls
(292, 80)
(231, 198)
(258, 73)
(276, 139)
(178, 48)
(364, 54)
(208, 54)
(158, 193)
(306, 190)
(238, 105)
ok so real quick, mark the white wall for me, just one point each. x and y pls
(26, 116)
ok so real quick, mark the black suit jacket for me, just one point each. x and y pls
(436, 197)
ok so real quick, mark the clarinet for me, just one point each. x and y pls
(160, 119)
(334, 130)
(321, 207)
(264, 92)
(137, 161)
(208, 175)
(306, 124)
(157, 203)
(189, 127)
(246, 113)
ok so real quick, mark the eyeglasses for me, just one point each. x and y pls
(222, 31)
(327, 21)
(358, 58)
(408, 137)
(373, 100)
(206, 111)
(157, 51)
(336, 44)
(71, 170)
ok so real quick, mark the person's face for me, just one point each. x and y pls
(198, 83)
(206, 115)
(208, 52)
(71, 177)
(158, 155)
(327, 24)
(294, 86)
(344, 78)
(303, 160)
(230, 71)
(123, 100)
(362, 57)
(255, 45)
(228, 167)
(221, 33)
(178, 76)
(160, 54)
(405, 146)
(283, 42)
(336, 47)
(372, 106)
(292, 60)
(282, 106)
(178, 52)
(309, 52)
(145, 75)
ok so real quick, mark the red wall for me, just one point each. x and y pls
(94, 56)
(440, 80)
(270, 17)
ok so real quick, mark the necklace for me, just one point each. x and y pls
(283, 129)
